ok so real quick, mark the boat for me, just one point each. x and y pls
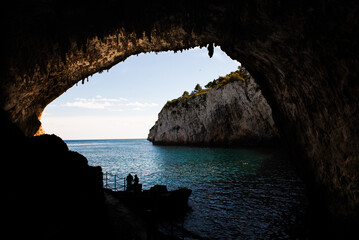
(156, 200)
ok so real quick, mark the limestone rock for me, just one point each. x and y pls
(235, 113)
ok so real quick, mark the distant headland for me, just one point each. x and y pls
(229, 111)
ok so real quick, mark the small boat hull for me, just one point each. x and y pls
(157, 200)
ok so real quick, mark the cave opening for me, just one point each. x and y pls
(124, 101)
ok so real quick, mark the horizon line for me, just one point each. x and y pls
(91, 139)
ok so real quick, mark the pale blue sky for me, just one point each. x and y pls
(125, 101)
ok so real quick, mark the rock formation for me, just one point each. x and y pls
(51, 192)
(232, 114)
(303, 54)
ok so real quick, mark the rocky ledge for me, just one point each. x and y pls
(232, 114)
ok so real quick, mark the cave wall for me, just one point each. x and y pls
(304, 54)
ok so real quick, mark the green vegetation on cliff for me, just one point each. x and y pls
(239, 75)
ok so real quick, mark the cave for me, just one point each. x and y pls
(304, 55)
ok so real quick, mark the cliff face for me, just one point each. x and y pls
(236, 113)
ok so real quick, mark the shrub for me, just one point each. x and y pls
(198, 88)
(185, 94)
(239, 75)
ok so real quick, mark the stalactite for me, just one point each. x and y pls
(210, 50)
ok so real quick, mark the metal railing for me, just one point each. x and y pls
(114, 182)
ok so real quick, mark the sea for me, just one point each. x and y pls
(237, 193)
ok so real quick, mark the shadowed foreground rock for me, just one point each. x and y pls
(51, 192)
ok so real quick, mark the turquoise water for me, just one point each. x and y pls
(238, 193)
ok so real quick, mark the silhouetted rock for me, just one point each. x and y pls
(54, 192)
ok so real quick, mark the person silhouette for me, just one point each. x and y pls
(129, 180)
(136, 180)
(137, 187)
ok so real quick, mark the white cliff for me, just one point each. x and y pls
(233, 114)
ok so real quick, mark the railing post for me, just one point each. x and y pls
(106, 181)
(115, 184)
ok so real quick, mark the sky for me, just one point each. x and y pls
(124, 102)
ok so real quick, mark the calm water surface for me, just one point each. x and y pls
(238, 193)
